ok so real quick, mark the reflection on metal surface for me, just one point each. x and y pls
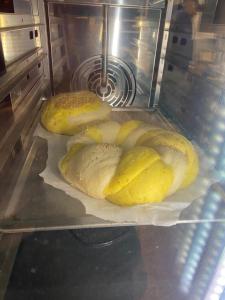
(217, 286)
(24, 85)
(15, 6)
(10, 21)
(58, 53)
(204, 285)
(105, 46)
(15, 44)
(200, 255)
(121, 86)
(135, 3)
(16, 71)
(199, 240)
(219, 13)
(116, 32)
(192, 89)
(2, 60)
(164, 42)
(22, 7)
(12, 131)
(132, 38)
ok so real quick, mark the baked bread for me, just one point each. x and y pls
(91, 167)
(65, 113)
(105, 132)
(129, 164)
(168, 142)
(138, 178)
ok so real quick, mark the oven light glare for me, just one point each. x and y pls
(211, 161)
(215, 150)
(216, 197)
(221, 125)
(222, 175)
(218, 138)
(214, 296)
(221, 112)
(221, 280)
(116, 32)
(218, 289)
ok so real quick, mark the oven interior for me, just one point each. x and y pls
(160, 60)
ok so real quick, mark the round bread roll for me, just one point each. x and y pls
(129, 164)
(65, 113)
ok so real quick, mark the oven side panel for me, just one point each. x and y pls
(24, 73)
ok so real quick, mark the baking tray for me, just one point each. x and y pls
(32, 205)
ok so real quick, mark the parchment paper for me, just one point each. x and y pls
(165, 214)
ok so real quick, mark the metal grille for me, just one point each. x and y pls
(121, 84)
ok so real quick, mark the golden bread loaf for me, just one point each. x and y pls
(65, 113)
(130, 163)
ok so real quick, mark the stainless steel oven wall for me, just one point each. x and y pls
(58, 48)
(192, 88)
(132, 44)
(134, 3)
(133, 38)
(24, 74)
(17, 43)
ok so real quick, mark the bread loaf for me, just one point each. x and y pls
(65, 113)
(129, 164)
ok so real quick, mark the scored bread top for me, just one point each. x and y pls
(64, 113)
(75, 100)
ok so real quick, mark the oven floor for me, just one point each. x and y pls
(138, 264)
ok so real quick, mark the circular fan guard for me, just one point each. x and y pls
(121, 84)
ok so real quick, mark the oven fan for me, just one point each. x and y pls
(121, 84)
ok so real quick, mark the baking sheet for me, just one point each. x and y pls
(164, 214)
